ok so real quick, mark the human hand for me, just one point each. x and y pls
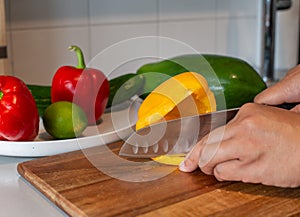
(285, 91)
(260, 145)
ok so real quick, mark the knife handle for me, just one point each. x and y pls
(287, 106)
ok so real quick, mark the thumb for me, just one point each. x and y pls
(273, 95)
(286, 90)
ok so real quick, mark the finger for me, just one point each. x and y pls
(273, 95)
(211, 146)
(285, 90)
(236, 170)
(214, 154)
(190, 163)
(228, 171)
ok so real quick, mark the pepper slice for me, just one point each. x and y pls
(86, 87)
(19, 118)
(183, 95)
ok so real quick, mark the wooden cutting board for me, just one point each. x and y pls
(79, 188)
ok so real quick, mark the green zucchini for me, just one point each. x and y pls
(123, 87)
(232, 80)
(41, 95)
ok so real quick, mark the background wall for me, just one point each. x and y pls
(39, 32)
(287, 39)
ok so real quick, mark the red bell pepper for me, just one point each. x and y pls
(87, 87)
(19, 117)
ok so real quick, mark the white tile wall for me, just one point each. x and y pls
(114, 44)
(29, 14)
(242, 43)
(238, 29)
(40, 31)
(122, 11)
(38, 53)
(199, 34)
(187, 9)
(240, 8)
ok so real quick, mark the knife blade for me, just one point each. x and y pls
(175, 136)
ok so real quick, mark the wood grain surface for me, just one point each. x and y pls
(74, 183)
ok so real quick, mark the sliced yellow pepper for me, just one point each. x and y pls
(180, 96)
(183, 95)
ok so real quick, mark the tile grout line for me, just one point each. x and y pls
(130, 22)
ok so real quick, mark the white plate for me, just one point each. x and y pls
(115, 125)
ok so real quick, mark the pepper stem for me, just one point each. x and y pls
(1, 95)
(80, 57)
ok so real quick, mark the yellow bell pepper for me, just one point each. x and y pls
(183, 95)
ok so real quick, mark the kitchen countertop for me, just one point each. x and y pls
(19, 198)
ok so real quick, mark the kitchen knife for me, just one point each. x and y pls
(177, 136)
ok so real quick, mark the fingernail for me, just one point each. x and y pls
(182, 166)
